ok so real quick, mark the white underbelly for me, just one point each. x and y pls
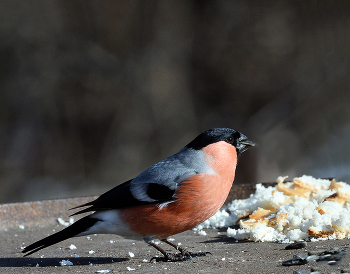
(110, 223)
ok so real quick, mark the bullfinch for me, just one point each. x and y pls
(168, 198)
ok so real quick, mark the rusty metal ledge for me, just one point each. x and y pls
(38, 213)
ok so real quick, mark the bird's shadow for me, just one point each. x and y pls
(224, 239)
(44, 262)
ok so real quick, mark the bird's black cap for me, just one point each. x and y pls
(231, 136)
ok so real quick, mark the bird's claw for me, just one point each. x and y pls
(201, 253)
(179, 257)
(196, 254)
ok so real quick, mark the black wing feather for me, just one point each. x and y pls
(121, 197)
(161, 193)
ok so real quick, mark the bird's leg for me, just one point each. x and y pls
(167, 256)
(177, 247)
(183, 251)
(173, 257)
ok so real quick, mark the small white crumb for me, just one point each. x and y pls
(223, 259)
(129, 268)
(22, 247)
(131, 254)
(171, 239)
(202, 232)
(132, 243)
(42, 256)
(91, 263)
(157, 242)
(111, 241)
(37, 265)
(104, 271)
(91, 252)
(63, 222)
(145, 260)
(72, 246)
(178, 243)
(76, 256)
(21, 226)
(65, 262)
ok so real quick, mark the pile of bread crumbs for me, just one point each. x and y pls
(304, 209)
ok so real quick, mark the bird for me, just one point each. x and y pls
(168, 198)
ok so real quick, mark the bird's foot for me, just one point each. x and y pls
(172, 257)
(179, 257)
(198, 254)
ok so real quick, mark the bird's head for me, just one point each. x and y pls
(211, 136)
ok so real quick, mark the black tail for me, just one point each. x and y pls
(71, 231)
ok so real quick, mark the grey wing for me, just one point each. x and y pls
(160, 181)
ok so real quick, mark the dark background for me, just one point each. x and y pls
(94, 92)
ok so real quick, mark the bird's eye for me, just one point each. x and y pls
(229, 139)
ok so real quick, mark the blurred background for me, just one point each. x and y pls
(94, 92)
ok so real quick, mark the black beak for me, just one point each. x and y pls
(243, 144)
